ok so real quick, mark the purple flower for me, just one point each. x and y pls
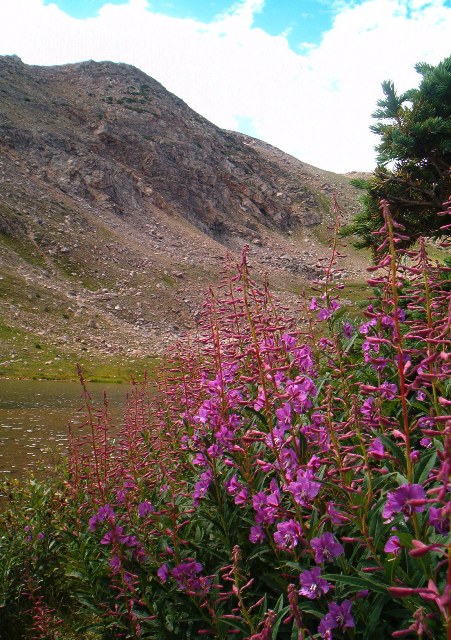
(387, 322)
(326, 548)
(367, 409)
(260, 401)
(304, 489)
(214, 451)
(201, 487)
(336, 517)
(399, 501)
(314, 463)
(145, 509)
(339, 617)
(376, 449)
(237, 490)
(163, 572)
(312, 585)
(232, 485)
(284, 417)
(298, 396)
(208, 412)
(288, 534)
(257, 534)
(200, 460)
(348, 330)
(241, 496)
(290, 342)
(115, 564)
(128, 578)
(106, 512)
(303, 359)
(115, 534)
(388, 391)
(364, 329)
(324, 314)
(265, 512)
(187, 576)
(393, 545)
(439, 519)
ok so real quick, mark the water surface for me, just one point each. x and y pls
(34, 419)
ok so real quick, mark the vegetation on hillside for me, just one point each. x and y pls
(286, 483)
(414, 159)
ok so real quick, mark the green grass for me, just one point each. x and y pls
(28, 252)
(27, 356)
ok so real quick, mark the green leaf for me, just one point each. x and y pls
(374, 618)
(424, 466)
(359, 582)
(280, 616)
(258, 414)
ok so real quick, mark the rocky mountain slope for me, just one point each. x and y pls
(118, 204)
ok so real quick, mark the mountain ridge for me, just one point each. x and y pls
(118, 203)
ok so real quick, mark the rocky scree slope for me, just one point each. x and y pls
(118, 203)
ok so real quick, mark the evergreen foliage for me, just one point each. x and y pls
(414, 158)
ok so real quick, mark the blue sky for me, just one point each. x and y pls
(301, 20)
(303, 75)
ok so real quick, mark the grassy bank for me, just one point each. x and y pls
(25, 356)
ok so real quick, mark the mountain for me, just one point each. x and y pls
(118, 203)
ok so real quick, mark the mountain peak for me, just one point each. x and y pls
(110, 182)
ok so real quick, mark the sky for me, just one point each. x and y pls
(303, 75)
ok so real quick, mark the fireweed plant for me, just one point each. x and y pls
(286, 483)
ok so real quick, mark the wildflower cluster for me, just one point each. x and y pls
(284, 483)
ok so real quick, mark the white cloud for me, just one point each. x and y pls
(315, 104)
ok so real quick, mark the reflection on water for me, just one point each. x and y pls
(34, 419)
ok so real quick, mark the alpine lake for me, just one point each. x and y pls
(35, 417)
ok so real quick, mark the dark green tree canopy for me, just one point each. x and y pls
(414, 158)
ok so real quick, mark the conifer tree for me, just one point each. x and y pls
(414, 158)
